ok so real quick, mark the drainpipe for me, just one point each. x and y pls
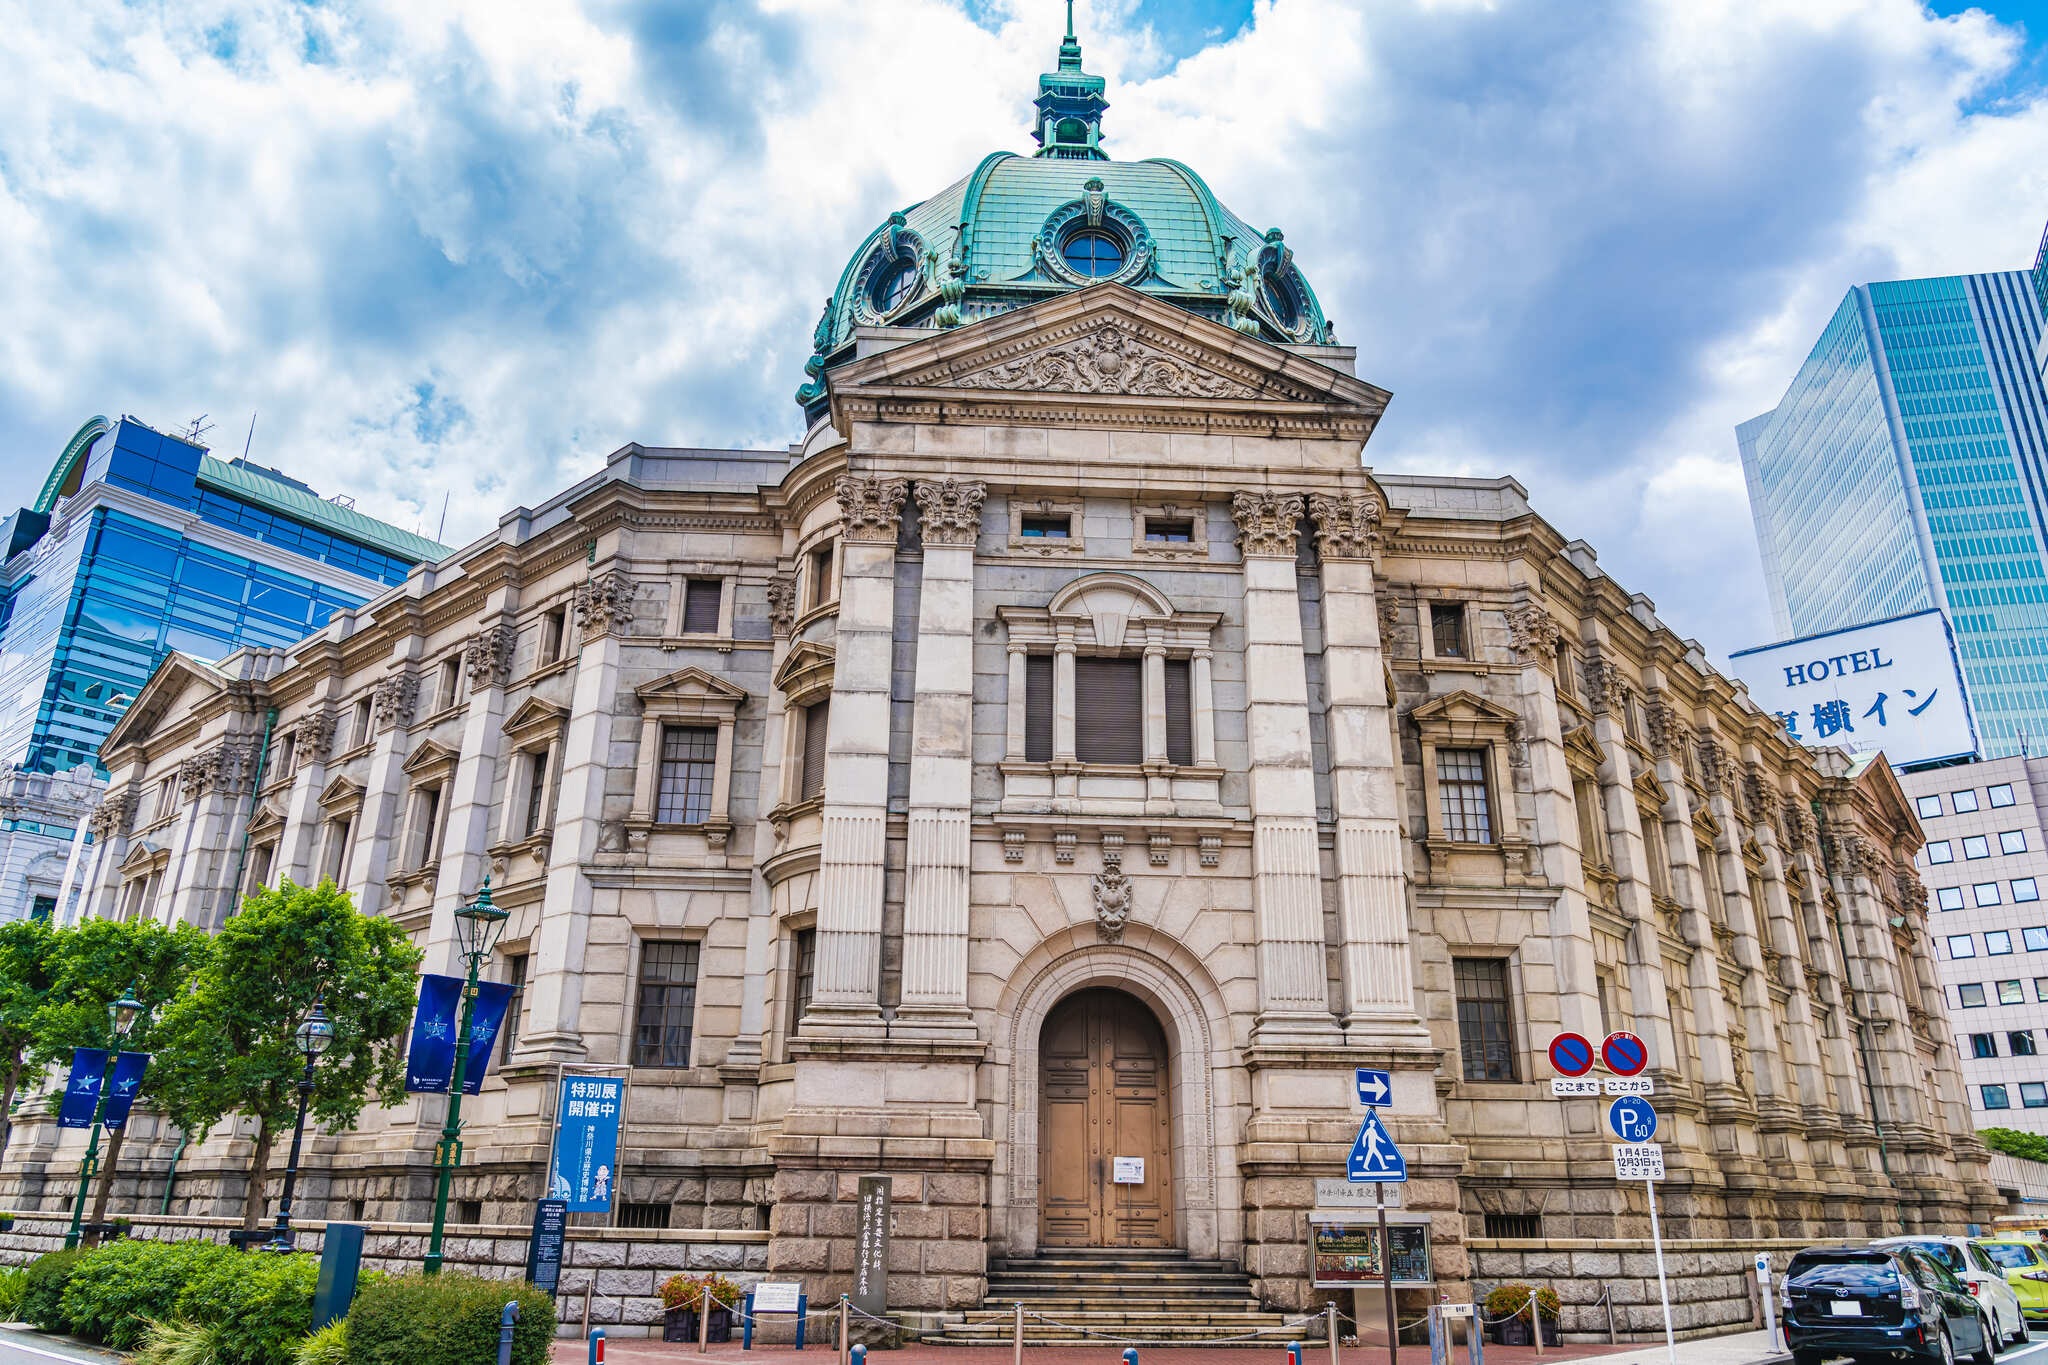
(249, 816)
(171, 1176)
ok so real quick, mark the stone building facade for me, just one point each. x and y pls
(1072, 749)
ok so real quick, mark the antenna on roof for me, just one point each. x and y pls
(250, 437)
(197, 429)
(444, 517)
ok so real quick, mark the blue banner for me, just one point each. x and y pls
(82, 1090)
(492, 999)
(122, 1089)
(430, 1061)
(586, 1160)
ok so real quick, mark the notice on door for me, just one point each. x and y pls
(1127, 1170)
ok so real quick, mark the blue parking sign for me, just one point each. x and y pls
(1632, 1119)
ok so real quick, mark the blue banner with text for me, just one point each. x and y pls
(587, 1142)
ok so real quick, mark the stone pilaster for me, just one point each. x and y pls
(935, 915)
(313, 746)
(211, 784)
(1286, 862)
(844, 997)
(745, 1055)
(392, 703)
(487, 660)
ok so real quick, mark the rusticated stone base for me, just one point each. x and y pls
(938, 1251)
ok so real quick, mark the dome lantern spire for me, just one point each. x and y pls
(1070, 106)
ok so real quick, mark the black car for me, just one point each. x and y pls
(1879, 1304)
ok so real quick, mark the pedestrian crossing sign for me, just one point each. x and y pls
(1374, 1158)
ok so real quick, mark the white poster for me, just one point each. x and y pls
(1893, 685)
(1130, 1170)
(1638, 1160)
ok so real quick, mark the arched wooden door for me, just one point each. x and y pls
(1104, 1096)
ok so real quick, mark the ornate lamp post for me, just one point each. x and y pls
(314, 1036)
(477, 926)
(123, 1013)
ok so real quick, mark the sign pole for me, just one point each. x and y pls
(1663, 1287)
(1379, 1201)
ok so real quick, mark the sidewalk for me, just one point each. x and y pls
(648, 1351)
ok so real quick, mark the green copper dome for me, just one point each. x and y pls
(1023, 228)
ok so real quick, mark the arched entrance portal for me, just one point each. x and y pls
(1105, 1166)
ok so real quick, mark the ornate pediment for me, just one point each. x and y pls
(430, 757)
(1579, 744)
(341, 792)
(143, 855)
(805, 674)
(692, 682)
(535, 716)
(268, 818)
(1462, 706)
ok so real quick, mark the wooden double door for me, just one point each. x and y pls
(1105, 1176)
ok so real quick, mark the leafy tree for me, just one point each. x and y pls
(2011, 1141)
(235, 1051)
(26, 950)
(94, 965)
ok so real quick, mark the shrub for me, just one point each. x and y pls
(178, 1343)
(12, 1282)
(328, 1346)
(687, 1291)
(1507, 1299)
(2028, 1146)
(446, 1319)
(261, 1301)
(42, 1293)
(119, 1289)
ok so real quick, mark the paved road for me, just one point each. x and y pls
(19, 1347)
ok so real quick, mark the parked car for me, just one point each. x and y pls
(2026, 1270)
(1880, 1303)
(1968, 1261)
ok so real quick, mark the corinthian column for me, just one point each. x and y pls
(844, 997)
(935, 903)
(1372, 889)
(1286, 865)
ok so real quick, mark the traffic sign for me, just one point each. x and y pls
(1571, 1054)
(1630, 1085)
(1632, 1119)
(1565, 1086)
(1624, 1053)
(1374, 1158)
(1374, 1087)
(1639, 1161)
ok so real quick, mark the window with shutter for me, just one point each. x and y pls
(1038, 708)
(1109, 710)
(1180, 716)
(817, 720)
(700, 606)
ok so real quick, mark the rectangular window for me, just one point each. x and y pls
(515, 977)
(811, 777)
(2036, 939)
(1461, 792)
(1447, 629)
(1928, 806)
(2041, 988)
(803, 970)
(1983, 1045)
(1997, 942)
(1526, 1226)
(2001, 795)
(2025, 889)
(334, 863)
(644, 1215)
(259, 868)
(2034, 1094)
(2012, 841)
(426, 817)
(1567, 671)
(1170, 530)
(1180, 715)
(288, 752)
(1949, 898)
(1486, 1026)
(536, 790)
(554, 633)
(1109, 710)
(451, 684)
(2020, 1042)
(667, 1001)
(44, 909)
(1976, 846)
(1940, 852)
(1604, 986)
(1994, 1097)
(821, 576)
(1963, 802)
(1047, 528)
(689, 757)
(359, 733)
(700, 605)
(1971, 995)
(2011, 993)
(164, 790)
(1038, 708)
(1961, 946)
(1985, 893)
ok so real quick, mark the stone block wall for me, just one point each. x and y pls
(620, 1270)
(1713, 1283)
(938, 1241)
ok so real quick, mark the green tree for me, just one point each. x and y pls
(27, 948)
(236, 1053)
(2011, 1141)
(95, 964)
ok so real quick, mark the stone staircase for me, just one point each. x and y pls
(1144, 1298)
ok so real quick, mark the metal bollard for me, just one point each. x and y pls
(1017, 1333)
(1475, 1339)
(1439, 1337)
(589, 1286)
(1330, 1318)
(704, 1318)
(1293, 1353)
(506, 1321)
(1130, 1355)
(597, 1347)
(841, 1357)
(859, 1354)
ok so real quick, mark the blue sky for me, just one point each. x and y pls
(463, 250)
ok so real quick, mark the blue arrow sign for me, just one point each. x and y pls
(1374, 1087)
(1632, 1119)
(1374, 1158)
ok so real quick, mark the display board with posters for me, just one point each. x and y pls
(1347, 1250)
(1895, 685)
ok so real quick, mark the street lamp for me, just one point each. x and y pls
(122, 1014)
(313, 1036)
(477, 926)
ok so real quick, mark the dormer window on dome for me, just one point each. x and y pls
(1092, 252)
(893, 274)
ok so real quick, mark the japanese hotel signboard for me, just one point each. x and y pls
(1894, 685)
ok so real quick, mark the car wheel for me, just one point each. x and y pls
(1987, 1343)
(1944, 1349)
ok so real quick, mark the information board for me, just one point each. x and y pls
(871, 1252)
(1349, 1253)
(777, 1296)
(1638, 1160)
(544, 1247)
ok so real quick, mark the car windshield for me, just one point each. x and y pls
(1868, 1274)
(2009, 1255)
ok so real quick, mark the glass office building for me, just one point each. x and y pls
(141, 543)
(1907, 467)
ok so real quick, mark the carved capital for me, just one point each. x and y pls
(1912, 891)
(871, 506)
(949, 510)
(394, 698)
(1347, 525)
(781, 605)
(604, 604)
(1661, 718)
(114, 815)
(1390, 621)
(1606, 687)
(1714, 775)
(1533, 633)
(313, 735)
(225, 768)
(1756, 793)
(487, 658)
(1267, 523)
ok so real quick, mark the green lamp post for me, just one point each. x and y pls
(123, 1012)
(477, 926)
(312, 1037)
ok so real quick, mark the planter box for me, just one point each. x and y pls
(680, 1324)
(1515, 1332)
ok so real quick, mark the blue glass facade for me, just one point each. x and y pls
(1907, 467)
